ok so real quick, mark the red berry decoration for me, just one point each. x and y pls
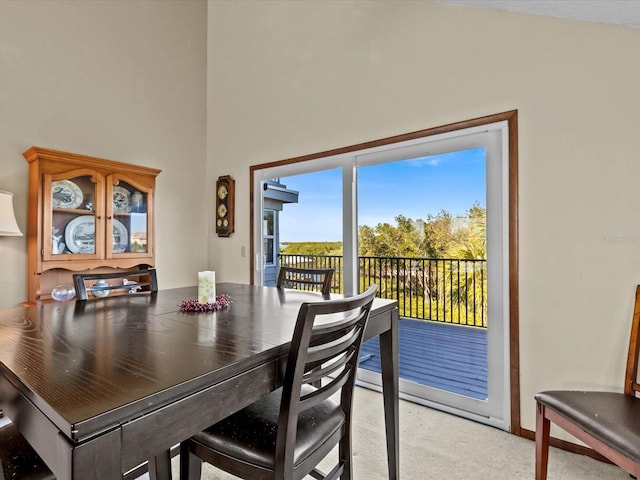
(192, 305)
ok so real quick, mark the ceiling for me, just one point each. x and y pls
(619, 12)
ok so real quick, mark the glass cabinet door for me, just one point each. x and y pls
(129, 220)
(71, 228)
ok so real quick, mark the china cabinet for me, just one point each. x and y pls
(85, 214)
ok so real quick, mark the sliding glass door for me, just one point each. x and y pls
(426, 220)
(425, 243)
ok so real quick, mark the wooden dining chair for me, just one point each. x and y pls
(285, 434)
(19, 460)
(608, 422)
(306, 278)
(122, 282)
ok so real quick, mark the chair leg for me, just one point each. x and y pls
(344, 456)
(543, 427)
(190, 465)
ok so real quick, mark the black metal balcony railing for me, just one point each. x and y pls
(450, 290)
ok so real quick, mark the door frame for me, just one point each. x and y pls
(511, 145)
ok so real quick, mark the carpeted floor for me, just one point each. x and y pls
(439, 446)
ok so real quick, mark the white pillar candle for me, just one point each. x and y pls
(207, 287)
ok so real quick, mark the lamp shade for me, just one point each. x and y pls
(8, 224)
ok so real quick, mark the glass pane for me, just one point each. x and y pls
(425, 246)
(138, 229)
(130, 222)
(307, 231)
(73, 216)
(268, 251)
(268, 222)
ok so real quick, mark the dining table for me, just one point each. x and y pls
(99, 387)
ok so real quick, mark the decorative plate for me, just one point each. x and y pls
(81, 231)
(121, 198)
(66, 194)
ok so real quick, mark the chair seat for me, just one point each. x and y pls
(19, 459)
(613, 418)
(250, 434)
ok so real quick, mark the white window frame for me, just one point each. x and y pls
(273, 237)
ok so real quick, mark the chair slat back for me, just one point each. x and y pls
(326, 343)
(306, 278)
(631, 385)
(145, 281)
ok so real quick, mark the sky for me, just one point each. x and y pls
(414, 188)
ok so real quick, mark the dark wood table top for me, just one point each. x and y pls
(91, 366)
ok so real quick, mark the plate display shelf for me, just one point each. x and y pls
(85, 214)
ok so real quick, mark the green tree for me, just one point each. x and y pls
(452, 289)
(312, 248)
(470, 242)
(438, 235)
(452, 286)
(386, 240)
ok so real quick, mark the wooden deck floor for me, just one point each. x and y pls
(444, 356)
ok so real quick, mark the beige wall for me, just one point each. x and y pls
(293, 78)
(127, 81)
(115, 79)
